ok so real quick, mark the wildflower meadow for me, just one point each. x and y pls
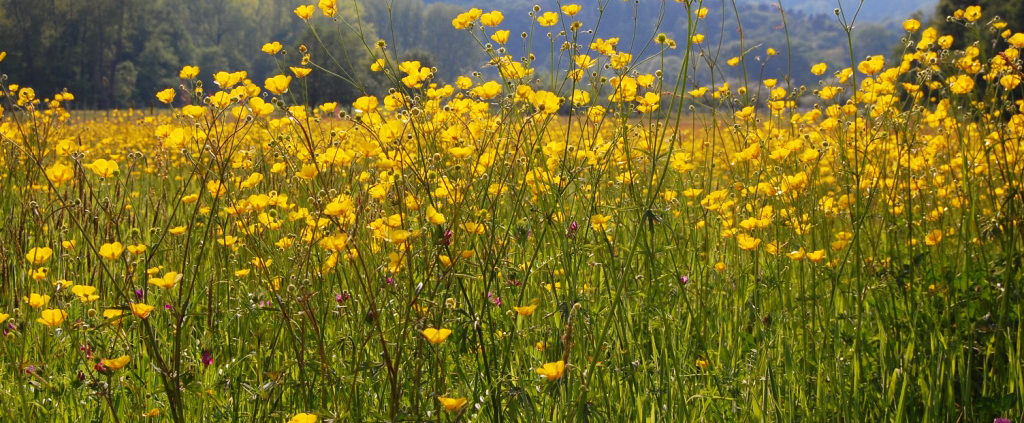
(592, 237)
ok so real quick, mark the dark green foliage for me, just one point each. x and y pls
(1009, 11)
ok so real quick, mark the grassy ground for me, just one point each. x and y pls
(465, 252)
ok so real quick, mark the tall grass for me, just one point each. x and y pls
(739, 251)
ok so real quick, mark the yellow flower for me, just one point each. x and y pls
(52, 317)
(525, 310)
(1010, 81)
(961, 84)
(153, 412)
(1016, 40)
(872, 65)
(167, 281)
(116, 363)
(797, 255)
(4, 317)
(272, 48)
(701, 363)
(307, 172)
(113, 315)
(452, 404)
(193, 111)
(303, 418)
(378, 65)
(819, 69)
(39, 255)
(933, 238)
(435, 216)
(329, 7)
(649, 102)
(300, 72)
(501, 36)
(816, 256)
(111, 250)
(39, 274)
(85, 293)
(104, 168)
(552, 371)
(747, 242)
(36, 301)
(492, 18)
(548, 19)
(305, 11)
(436, 336)
(278, 84)
(945, 41)
(141, 310)
(177, 230)
(599, 222)
(366, 103)
(474, 228)
(189, 72)
(972, 13)
(911, 25)
(59, 173)
(571, 9)
(137, 249)
(463, 20)
(166, 96)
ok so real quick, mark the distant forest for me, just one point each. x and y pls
(118, 53)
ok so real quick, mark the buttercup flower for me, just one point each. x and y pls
(452, 404)
(552, 371)
(39, 255)
(111, 250)
(436, 336)
(303, 418)
(36, 301)
(278, 84)
(141, 310)
(52, 317)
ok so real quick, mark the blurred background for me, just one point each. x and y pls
(118, 53)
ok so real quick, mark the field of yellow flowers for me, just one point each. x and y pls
(602, 246)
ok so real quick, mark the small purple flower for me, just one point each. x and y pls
(447, 238)
(571, 232)
(168, 306)
(514, 282)
(390, 280)
(139, 294)
(496, 300)
(683, 280)
(207, 358)
(1001, 420)
(342, 297)
(30, 369)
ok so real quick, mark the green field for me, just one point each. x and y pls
(581, 242)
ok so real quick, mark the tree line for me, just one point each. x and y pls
(118, 53)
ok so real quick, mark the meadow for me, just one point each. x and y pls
(585, 242)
